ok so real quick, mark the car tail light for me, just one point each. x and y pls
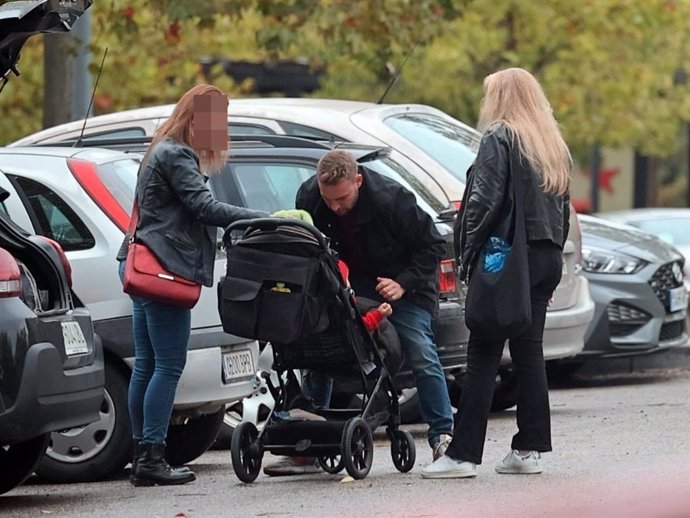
(10, 276)
(87, 175)
(63, 258)
(457, 204)
(447, 277)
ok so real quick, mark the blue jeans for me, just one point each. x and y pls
(161, 336)
(413, 324)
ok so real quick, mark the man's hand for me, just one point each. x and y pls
(389, 289)
(385, 309)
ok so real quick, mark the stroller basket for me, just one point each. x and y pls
(277, 287)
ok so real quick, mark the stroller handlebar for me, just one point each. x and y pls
(274, 223)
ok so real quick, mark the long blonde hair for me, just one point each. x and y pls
(515, 98)
(179, 128)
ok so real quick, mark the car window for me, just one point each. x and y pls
(53, 218)
(114, 134)
(120, 178)
(248, 129)
(453, 146)
(675, 231)
(270, 186)
(298, 130)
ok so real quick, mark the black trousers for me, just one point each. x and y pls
(483, 359)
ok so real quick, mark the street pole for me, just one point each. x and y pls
(595, 168)
(81, 77)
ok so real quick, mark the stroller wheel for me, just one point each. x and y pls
(357, 448)
(246, 452)
(403, 450)
(332, 464)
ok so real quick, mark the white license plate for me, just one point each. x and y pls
(677, 299)
(237, 365)
(75, 343)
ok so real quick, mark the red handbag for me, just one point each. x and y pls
(145, 277)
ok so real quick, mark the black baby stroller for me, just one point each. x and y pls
(283, 286)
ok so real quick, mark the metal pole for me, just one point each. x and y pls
(595, 167)
(81, 77)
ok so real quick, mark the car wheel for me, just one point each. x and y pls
(408, 401)
(505, 391)
(188, 441)
(18, 461)
(254, 409)
(97, 450)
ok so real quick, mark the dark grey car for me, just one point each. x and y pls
(636, 282)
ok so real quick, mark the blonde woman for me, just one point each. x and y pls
(521, 142)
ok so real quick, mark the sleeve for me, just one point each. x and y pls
(486, 196)
(187, 181)
(372, 319)
(420, 235)
(566, 217)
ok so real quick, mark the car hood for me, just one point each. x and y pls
(21, 20)
(607, 235)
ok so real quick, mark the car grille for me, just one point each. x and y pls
(664, 280)
(672, 330)
(625, 319)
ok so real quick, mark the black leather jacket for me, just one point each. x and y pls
(178, 214)
(395, 237)
(488, 200)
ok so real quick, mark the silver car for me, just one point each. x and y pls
(439, 144)
(81, 198)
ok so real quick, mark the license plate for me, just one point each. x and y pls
(677, 299)
(75, 343)
(237, 365)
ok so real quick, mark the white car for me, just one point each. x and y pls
(439, 144)
(81, 198)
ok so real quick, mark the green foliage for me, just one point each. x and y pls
(609, 67)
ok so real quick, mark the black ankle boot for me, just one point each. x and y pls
(151, 468)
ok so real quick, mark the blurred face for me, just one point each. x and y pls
(210, 122)
(341, 197)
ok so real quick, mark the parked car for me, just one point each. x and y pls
(668, 224)
(81, 199)
(436, 147)
(51, 362)
(636, 280)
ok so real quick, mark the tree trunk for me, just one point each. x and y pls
(57, 90)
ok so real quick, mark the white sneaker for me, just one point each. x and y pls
(441, 446)
(445, 467)
(516, 464)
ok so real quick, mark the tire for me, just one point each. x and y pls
(98, 450)
(403, 451)
(505, 391)
(245, 453)
(189, 441)
(18, 461)
(332, 464)
(357, 448)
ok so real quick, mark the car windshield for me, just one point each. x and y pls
(452, 145)
(675, 231)
(392, 169)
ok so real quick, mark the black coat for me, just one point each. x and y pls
(178, 214)
(488, 200)
(395, 236)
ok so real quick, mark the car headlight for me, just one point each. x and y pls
(604, 261)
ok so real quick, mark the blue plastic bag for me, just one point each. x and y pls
(495, 252)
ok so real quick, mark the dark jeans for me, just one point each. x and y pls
(483, 359)
(161, 336)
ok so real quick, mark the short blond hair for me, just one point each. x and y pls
(336, 165)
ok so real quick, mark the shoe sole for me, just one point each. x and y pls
(448, 474)
(519, 471)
